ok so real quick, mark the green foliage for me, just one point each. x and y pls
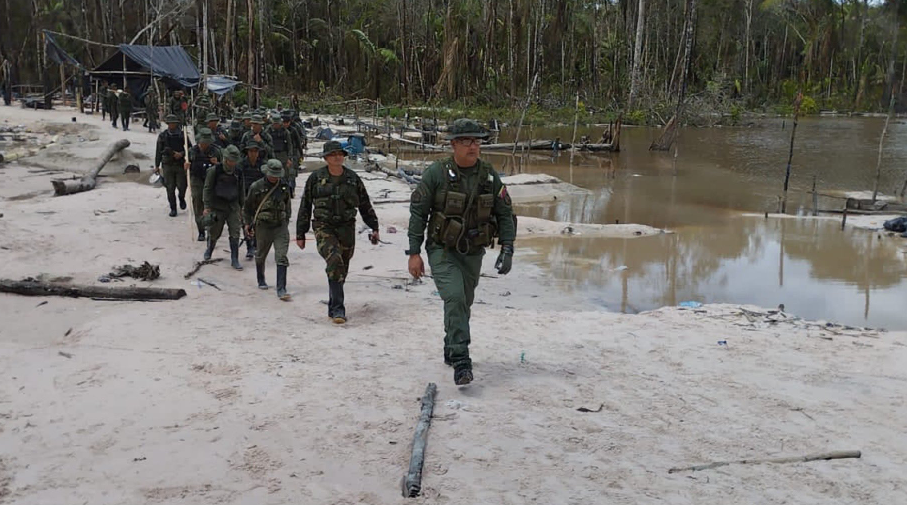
(808, 106)
(637, 117)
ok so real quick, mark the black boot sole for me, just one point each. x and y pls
(463, 378)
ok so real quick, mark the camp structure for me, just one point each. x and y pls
(134, 66)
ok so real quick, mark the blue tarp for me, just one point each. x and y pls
(221, 84)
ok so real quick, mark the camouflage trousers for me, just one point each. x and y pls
(266, 236)
(174, 179)
(198, 205)
(336, 246)
(231, 216)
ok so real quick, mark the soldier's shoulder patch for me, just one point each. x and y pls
(503, 194)
(417, 195)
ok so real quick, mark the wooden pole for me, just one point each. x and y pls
(790, 156)
(412, 482)
(815, 198)
(875, 188)
(63, 84)
(825, 456)
(36, 288)
(516, 141)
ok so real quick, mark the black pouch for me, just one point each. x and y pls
(486, 204)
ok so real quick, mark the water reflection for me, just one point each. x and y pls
(814, 268)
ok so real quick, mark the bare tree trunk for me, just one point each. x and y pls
(637, 54)
(228, 38)
(671, 129)
(746, 59)
(88, 182)
(875, 188)
(250, 53)
(889, 76)
(790, 156)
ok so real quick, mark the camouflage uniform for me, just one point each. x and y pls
(234, 137)
(169, 143)
(266, 141)
(267, 210)
(250, 172)
(113, 104)
(103, 97)
(223, 198)
(179, 106)
(151, 111)
(464, 208)
(221, 136)
(199, 163)
(329, 205)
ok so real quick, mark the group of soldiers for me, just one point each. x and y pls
(117, 103)
(244, 177)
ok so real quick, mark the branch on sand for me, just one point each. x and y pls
(90, 180)
(824, 456)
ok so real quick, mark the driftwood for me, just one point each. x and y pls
(31, 287)
(144, 272)
(795, 459)
(88, 182)
(199, 265)
(412, 482)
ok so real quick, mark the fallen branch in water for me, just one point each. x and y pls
(795, 459)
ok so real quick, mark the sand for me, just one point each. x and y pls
(233, 397)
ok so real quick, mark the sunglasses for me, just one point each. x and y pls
(468, 141)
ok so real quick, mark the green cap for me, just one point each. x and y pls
(464, 127)
(257, 119)
(171, 118)
(276, 120)
(246, 115)
(211, 117)
(251, 145)
(232, 153)
(331, 147)
(204, 136)
(273, 168)
(236, 124)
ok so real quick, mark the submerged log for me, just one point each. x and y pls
(31, 287)
(90, 180)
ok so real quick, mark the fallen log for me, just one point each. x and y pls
(412, 482)
(31, 287)
(535, 145)
(795, 459)
(88, 182)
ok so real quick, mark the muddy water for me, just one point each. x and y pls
(715, 254)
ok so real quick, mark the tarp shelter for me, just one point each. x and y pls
(221, 84)
(171, 64)
(56, 52)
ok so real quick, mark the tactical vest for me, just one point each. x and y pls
(274, 210)
(226, 186)
(336, 203)
(251, 173)
(173, 143)
(280, 140)
(201, 162)
(461, 217)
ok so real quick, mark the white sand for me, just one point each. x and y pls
(233, 397)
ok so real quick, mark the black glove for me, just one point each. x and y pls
(505, 259)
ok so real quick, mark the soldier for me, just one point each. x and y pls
(179, 106)
(336, 193)
(103, 98)
(296, 151)
(258, 134)
(202, 108)
(223, 198)
(221, 137)
(250, 171)
(201, 157)
(246, 122)
(283, 150)
(113, 104)
(169, 155)
(267, 214)
(124, 106)
(235, 135)
(465, 205)
(151, 110)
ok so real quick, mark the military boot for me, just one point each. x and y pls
(210, 249)
(282, 283)
(250, 248)
(336, 310)
(260, 270)
(172, 201)
(234, 254)
(463, 375)
(201, 236)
